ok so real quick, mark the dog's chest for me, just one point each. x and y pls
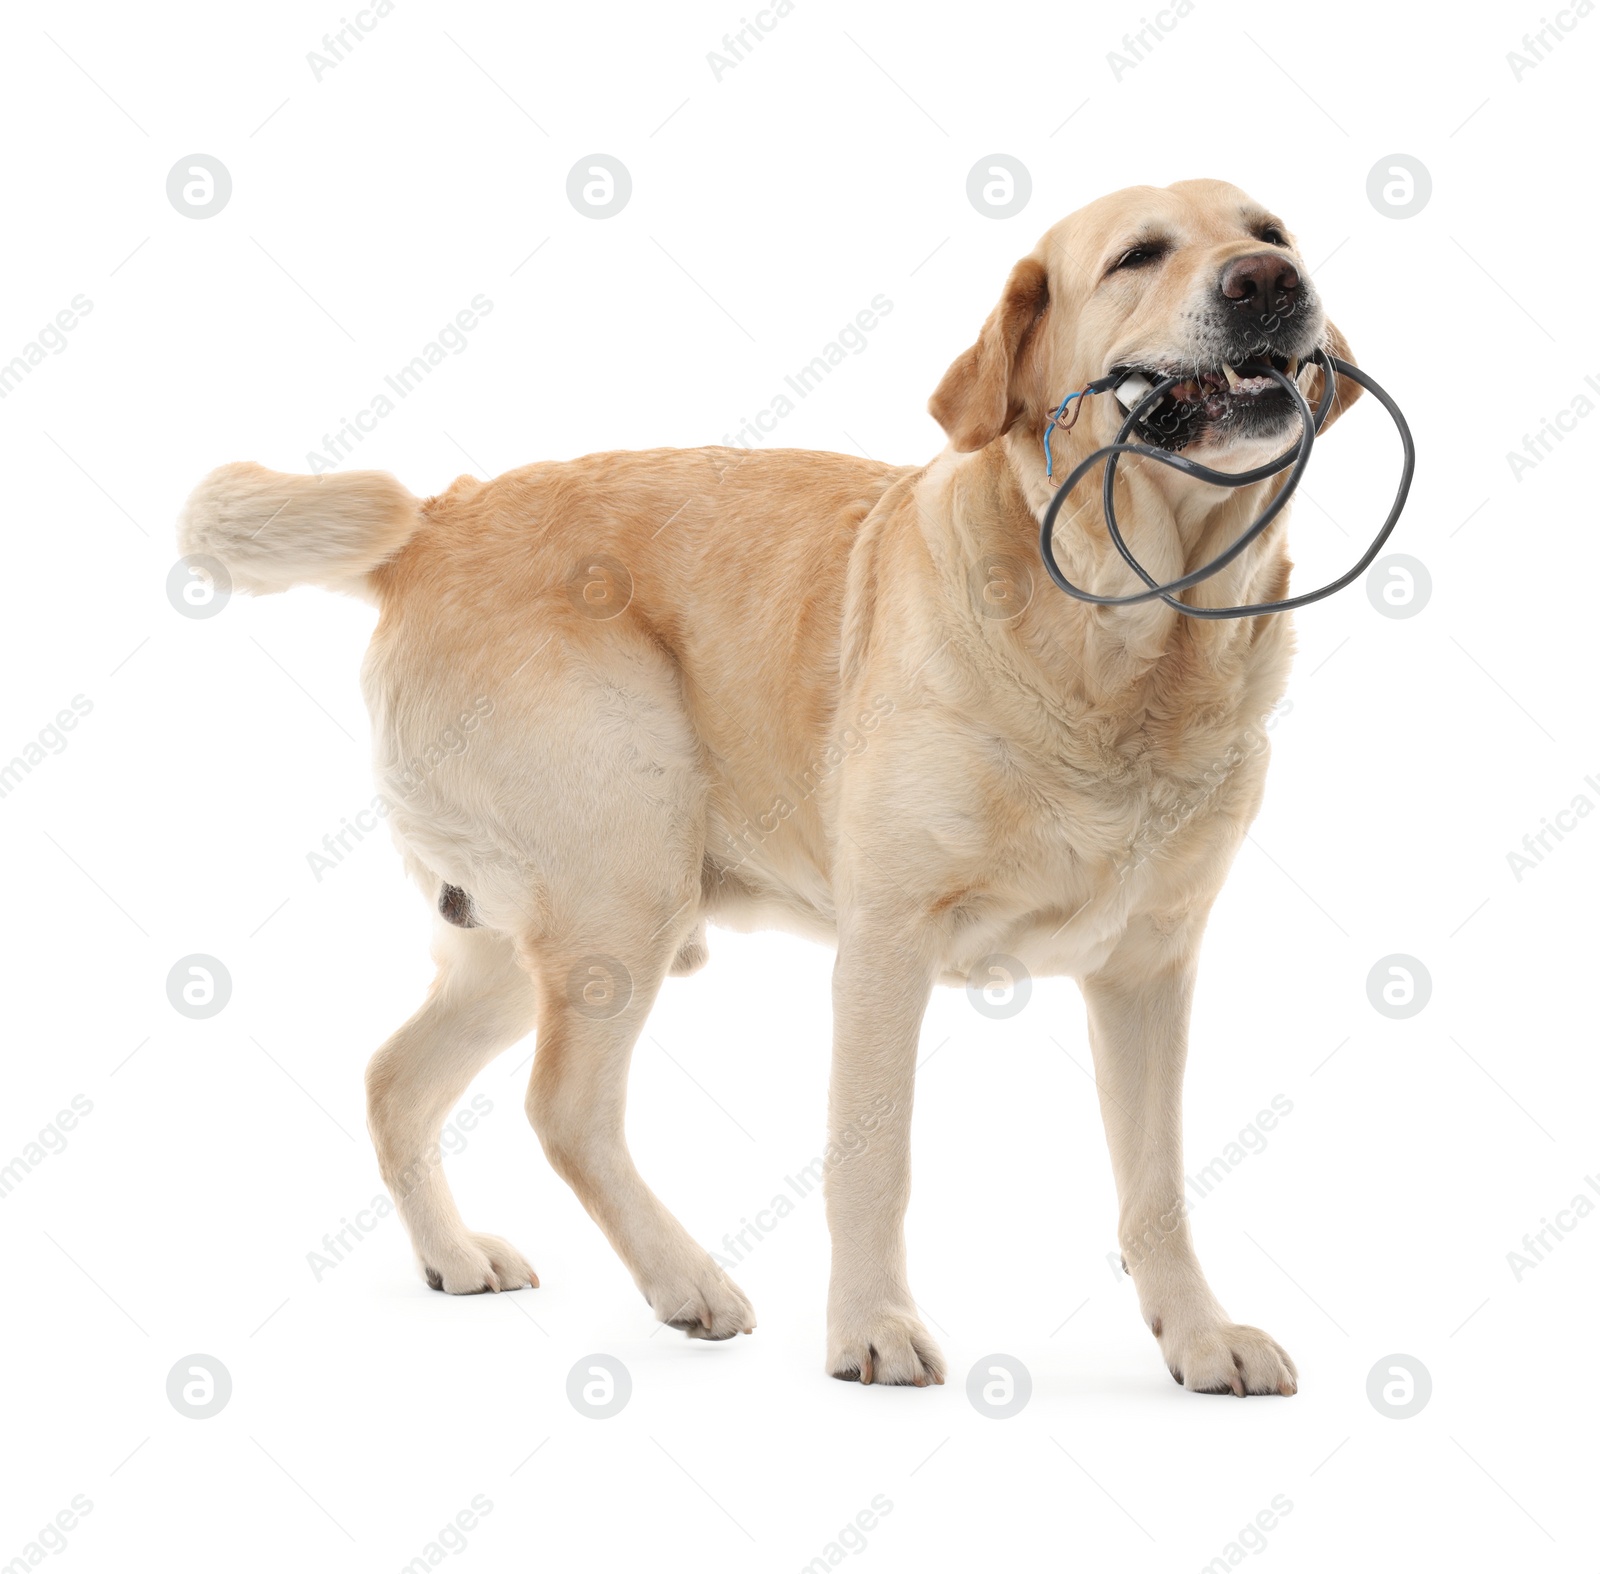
(1073, 838)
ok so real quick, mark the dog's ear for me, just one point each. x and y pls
(981, 396)
(1345, 392)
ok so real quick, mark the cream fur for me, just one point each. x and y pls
(765, 687)
(326, 530)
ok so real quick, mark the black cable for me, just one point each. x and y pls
(1297, 457)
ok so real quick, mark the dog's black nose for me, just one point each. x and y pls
(1263, 284)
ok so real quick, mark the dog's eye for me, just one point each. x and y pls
(1138, 257)
(1273, 236)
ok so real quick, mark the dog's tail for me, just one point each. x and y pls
(271, 530)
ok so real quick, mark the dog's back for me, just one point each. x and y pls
(692, 600)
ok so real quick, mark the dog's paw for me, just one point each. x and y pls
(1227, 1358)
(884, 1347)
(476, 1264)
(702, 1301)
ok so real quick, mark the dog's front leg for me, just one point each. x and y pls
(1138, 1027)
(881, 983)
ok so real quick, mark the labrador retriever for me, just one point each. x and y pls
(619, 697)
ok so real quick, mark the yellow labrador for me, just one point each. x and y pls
(618, 697)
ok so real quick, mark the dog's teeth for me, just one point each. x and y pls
(1132, 389)
(1232, 376)
(1294, 365)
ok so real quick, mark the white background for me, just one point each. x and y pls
(768, 208)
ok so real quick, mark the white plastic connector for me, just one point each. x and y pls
(1132, 389)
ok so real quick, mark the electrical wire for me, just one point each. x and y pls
(1294, 459)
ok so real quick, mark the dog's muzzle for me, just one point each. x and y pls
(1145, 400)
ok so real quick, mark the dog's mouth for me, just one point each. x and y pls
(1211, 402)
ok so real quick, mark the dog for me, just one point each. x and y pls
(618, 697)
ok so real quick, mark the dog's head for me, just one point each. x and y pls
(1196, 281)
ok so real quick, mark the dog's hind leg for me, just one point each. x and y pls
(481, 1003)
(591, 1011)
